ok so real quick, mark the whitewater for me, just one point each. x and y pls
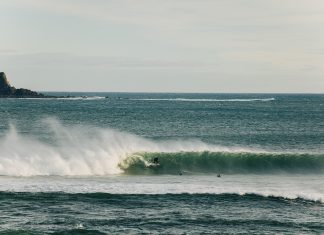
(82, 150)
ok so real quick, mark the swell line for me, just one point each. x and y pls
(68, 196)
(204, 100)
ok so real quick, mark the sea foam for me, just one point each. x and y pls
(207, 100)
(80, 150)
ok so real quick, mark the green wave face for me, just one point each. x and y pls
(222, 163)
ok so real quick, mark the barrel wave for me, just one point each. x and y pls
(223, 163)
(82, 150)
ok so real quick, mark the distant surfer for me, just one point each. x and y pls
(219, 175)
(155, 161)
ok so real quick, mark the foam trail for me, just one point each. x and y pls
(68, 98)
(207, 100)
(80, 150)
(82, 98)
(308, 187)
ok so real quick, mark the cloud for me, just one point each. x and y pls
(64, 60)
(181, 13)
(243, 42)
(7, 51)
(206, 24)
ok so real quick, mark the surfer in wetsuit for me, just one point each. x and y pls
(156, 161)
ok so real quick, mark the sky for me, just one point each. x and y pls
(210, 46)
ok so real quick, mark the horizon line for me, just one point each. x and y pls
(180, 92)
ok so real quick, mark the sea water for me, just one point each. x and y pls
(83, 165)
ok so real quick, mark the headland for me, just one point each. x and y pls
(8, 91)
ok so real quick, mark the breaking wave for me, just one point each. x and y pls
(67, 98)
(80, 150)
(95, 196)
(82, 98)
(207, 100)
(223, 163)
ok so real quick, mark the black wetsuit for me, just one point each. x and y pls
(156, 160)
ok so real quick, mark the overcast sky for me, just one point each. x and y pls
(163, 45)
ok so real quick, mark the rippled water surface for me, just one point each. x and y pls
(226, 163)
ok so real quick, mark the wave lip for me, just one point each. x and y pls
(205, 100)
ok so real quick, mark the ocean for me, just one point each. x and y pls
(162, 163)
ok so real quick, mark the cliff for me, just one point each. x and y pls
(8, 91)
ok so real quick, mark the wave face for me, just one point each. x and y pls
(223, 163)
(207, 100)
(80, 150)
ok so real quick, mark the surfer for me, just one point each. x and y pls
(156, 161)
(218, 175)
